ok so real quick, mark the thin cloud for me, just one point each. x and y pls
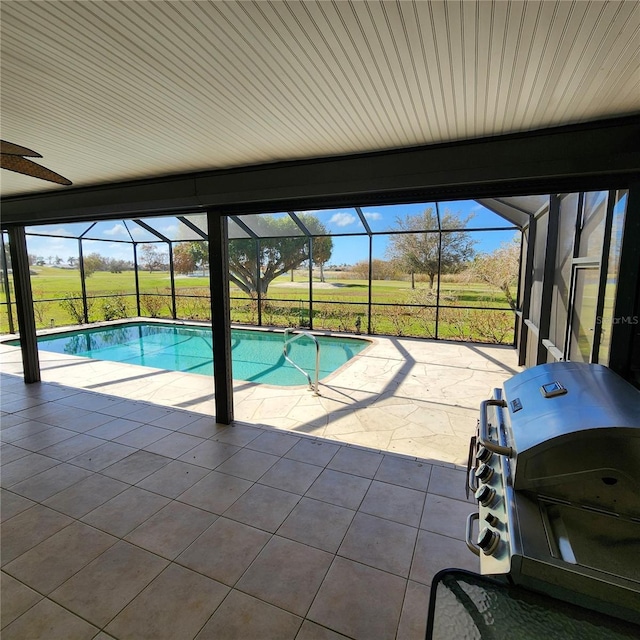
(373, 215)
(342, 219)
(117, 230)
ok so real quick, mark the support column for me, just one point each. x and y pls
(220, 316)
(548, 277)
(7, 288)
(137, 277)
(83, 282)
(370, 278)
(310, 241)
(24, 304)
(526, 291)
(174, 311)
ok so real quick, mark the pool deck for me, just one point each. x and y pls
(414, 397)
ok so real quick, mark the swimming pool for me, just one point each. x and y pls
(256, 355)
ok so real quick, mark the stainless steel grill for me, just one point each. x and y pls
(555, 466)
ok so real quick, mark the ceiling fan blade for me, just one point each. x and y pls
(17, 150)
(29, 168)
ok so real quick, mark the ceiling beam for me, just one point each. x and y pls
(589, 156)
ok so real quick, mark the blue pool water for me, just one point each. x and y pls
(257, 355)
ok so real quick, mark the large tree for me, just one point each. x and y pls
(420, 252)
(500, 269)
(282, 249)
(151, 258)
(187, 256)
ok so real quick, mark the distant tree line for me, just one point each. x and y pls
(92, 262)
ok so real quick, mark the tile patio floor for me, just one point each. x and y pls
(140, 518)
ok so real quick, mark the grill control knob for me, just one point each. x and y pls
(492, 519)
(483, 454)
(488, 541)
(485, 495)
(484, 472)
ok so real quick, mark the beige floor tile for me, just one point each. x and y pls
(241, 617)
(291, 475)
(275, 443)
(248, 464)
(24, 428)
(135, 467)
(76, 419)
(316, 452)
(72, 447)
(359, 601)
(106, 585)
(450, 483)
(48, 564)
(239, 435)
(90, 401)
(392, 502)
(27, 529)
(48, 621)
(299, 568)
(147, 413)
(404, 473)
(263, 507)
(11, 504)
(115, 428)
(224, 550)
(49, 482)
(342, 489)
(413, 619)
(203, 427)
(86, 495)
(103, 456)
(445, 516)
(174, 445)
(126, 511)
(312, 631)
(209, 454)
(142, 436)
(24, 468)
(319, 524)
(171, 530)
(16, 599)
(435, 552)
(44, 439)
(216, 492)
(173, 479)
(356, 461)
(175, 420)
(174, 606)
(10, 420)
(380, 543)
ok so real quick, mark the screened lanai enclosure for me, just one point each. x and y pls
(404, 270)
(539, 272)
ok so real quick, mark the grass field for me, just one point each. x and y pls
(397, 309)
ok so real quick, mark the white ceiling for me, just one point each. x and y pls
(111, 91)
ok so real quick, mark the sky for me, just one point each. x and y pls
(346, 250)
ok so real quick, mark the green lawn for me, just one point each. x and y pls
(337, 303)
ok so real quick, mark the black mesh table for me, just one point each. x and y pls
(467, 606)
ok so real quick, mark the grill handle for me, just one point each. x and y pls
(483, 437)
(469, 533)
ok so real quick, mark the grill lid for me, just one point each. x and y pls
(575, 428)
(563, 398)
